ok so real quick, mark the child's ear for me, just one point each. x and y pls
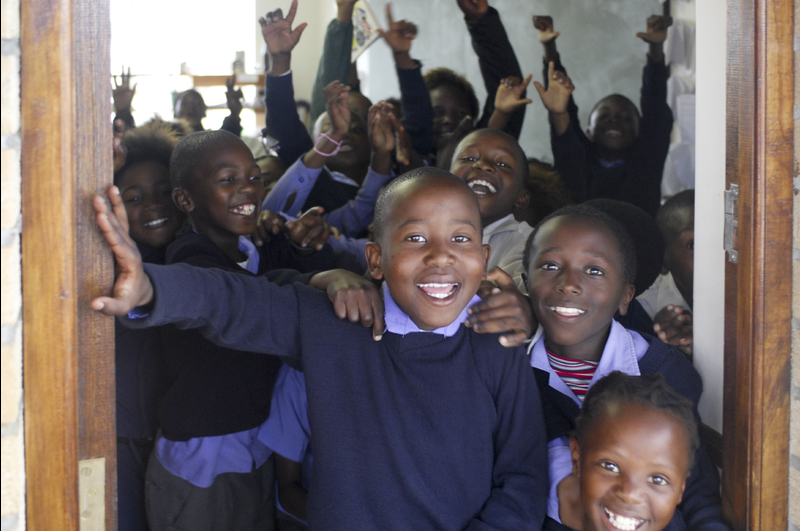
(487, 251)
(523, 200)
(575, 452)
(627, 297)
(182, 200)
(374, 263)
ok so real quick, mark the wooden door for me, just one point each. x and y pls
(759, 159)
(68, 348)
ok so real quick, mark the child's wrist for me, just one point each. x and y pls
(403, 60)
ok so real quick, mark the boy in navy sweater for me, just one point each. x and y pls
(433, 427)
(581, 266)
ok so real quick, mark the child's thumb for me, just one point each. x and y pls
(539, 88)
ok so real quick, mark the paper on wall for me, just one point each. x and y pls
(365, 28)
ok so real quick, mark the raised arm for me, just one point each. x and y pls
(123, 98)
(496, 57)
(335, 61)
(233, 122)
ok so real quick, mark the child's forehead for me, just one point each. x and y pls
(406, 198)
(222, 154)
(561, 231)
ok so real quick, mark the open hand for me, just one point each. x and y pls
(354, 298)
(656, 29)
(473, 9)
(545, 26)
(383, 126)
(338, 109)
(119, 149)
(674, 326)
(400, 33)
(559, 89)
(503, 309)
(277, 30)
(122, 92)
(509, 94)
(310, 231)
(132, 287)
(234, 97)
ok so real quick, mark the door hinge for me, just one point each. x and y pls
(92, 494)
(732, 223)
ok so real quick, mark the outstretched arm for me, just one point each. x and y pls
(233, 123)
(123, 98)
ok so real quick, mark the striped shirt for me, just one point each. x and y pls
(577, 374)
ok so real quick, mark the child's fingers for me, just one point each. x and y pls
(513, 340)
(378, 324)
(539, 88)
(389, 18)
(292, 12)
(118, 208)
(527, 81)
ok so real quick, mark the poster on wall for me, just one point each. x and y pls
(365, 28)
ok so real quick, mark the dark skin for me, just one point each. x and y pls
(293, 496)
(123, 94)
(450, 110)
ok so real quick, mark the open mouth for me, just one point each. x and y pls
(613, 133)
(623, 523)
(566, 312)
(439, 291)
(482, 187)
(156, 223)
(245, 210)
(345, 147)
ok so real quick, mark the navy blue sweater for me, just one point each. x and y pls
(412, 432)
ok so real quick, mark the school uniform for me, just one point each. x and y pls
(635, 354)
(661, 294)
(507, 238)
(416, 431)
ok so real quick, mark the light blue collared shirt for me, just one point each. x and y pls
(397, 322)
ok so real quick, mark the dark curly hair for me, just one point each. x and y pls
(442, 76)
(153, 141)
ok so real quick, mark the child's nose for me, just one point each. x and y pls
(628, 490)
(439, 254)
(483, 164)
(568, 282)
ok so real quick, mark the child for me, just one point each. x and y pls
(143, 181)
(632, 450)
(581, 266)
(208, 469)
(191, 107)
(494, 166)
(432, 427)
(622, 154)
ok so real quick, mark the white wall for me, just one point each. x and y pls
(709, 264)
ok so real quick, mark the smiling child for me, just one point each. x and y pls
(495, 168)
(581, 265)
(632, 450)
(434, 426)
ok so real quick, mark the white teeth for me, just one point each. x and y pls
(623, 523)
(156, 222)
(244, 209)
(567, 311)
(481, 182)
(436, 285)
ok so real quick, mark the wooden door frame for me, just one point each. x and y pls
(68, 356)
(758, 301)
(68, 351)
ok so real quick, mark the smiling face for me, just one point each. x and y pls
(632, 466)
(576, 285)
(450, 106)
(223, 198)
(613, 125)
(147, 194)
(495, 169)
(429, 250)
(679, 254)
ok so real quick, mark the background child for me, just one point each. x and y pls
(145, 190)
(622, 154)
(581, 266)
(496, 169)
(632, 450)
(399, 442)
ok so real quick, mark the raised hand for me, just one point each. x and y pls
(382, 127)
(310, 231)
(674, 326)
(545, 26)
(399, 34)
(234, 97)
(509, 94)
(132, 287)
(473, 9)
(277, 30)
(503, 309)
(123, 93)
(556, 97)
(338, 109)
(119, 149)
(656, 29)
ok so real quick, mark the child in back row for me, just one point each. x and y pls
(581, 266)
(434, 426)
(621, 155)
(632, 451)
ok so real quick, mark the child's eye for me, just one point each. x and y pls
(416, 238)
(468, 158)
(659, 481)
(608, 465)
(690, 245)
(595, 271)
(549, 266)
(132, 200)
(461, 239)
